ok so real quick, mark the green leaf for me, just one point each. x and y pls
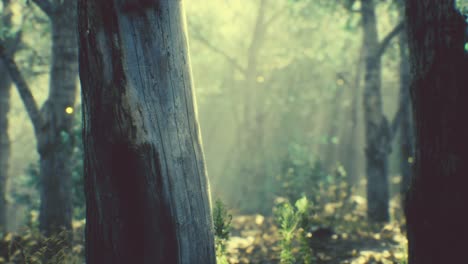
(302, 204)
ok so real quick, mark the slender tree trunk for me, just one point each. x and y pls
(251, 154)
(146, 187)
(349, 158)
(55, 144)
(406, 130)
(349, 155)
(5, 85)
(437, 201)
(330, 154)
(377, 138)
(5, 89)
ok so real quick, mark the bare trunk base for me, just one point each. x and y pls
(377, 188)
(56, 210)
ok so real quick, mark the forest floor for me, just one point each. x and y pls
(253, 239)
(256, 239)
(337, 233)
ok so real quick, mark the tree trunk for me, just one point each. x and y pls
(5, 85)
(5, 89)
(146, 187)
(330, 158)
(55, 144)
(350, 153)
(437, 201)
(377, 128)
(406, 130)
(252, 149)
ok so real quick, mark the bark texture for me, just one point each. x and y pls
(437, 201)
(55, 144)
(146, 186)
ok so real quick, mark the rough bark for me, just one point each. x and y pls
(54, 141)
(376, 125)
(437, 201)
(145, 180)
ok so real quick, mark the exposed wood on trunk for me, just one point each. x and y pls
(437, 201)
(146, 187)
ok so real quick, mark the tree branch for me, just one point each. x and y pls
(23, 89)
(386, 41)
(46, 6)
(217, 50)
(274, 17)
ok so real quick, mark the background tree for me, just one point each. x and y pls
(436, 204)
(378, 129)
(146, 185)
(5, 85)
(53, 133)
(53, 122)
(406, 139)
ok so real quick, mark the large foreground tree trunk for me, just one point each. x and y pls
(146, 186)
(55, 143)
(437, 202)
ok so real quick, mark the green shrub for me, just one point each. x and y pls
(291, 221)
(222, 227)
